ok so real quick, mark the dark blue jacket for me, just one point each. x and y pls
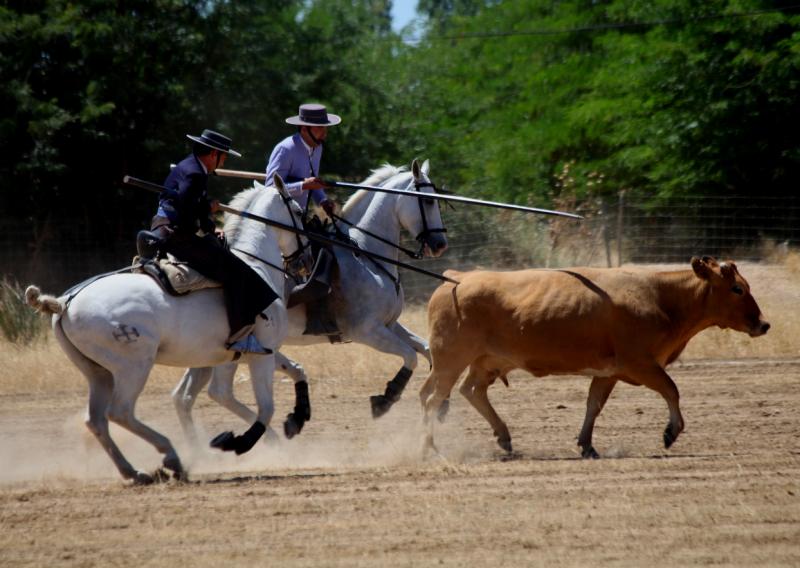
(184, 205)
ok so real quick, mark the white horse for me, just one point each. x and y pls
(117, 327)
(367, 299)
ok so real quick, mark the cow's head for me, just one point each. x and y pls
(730, 302)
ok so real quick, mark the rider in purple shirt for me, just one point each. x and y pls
(297, 159)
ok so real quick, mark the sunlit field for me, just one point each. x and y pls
(352, 491)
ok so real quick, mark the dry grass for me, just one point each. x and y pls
(42, 366)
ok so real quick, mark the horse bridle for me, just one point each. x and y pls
(292, 258)
(426, 230)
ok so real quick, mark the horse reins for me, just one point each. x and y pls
(420, 237)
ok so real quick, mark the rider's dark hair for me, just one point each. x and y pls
(201, 149)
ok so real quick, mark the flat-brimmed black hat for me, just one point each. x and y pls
(314, 115)
(216, 141)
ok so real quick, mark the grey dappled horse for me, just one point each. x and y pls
(367, 298)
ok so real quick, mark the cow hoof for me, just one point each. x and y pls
(590, 453)
(505, 444)
(380, 405)
(669, 437)
(441, 414)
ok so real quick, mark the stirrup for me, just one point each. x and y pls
(248, 344)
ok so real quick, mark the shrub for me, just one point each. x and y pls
(19, 323)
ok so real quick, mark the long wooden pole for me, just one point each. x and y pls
(454, 198)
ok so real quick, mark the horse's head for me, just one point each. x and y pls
(266, 242)
(421, 216)
(297, 258)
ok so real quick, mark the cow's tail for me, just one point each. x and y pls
(43, 303)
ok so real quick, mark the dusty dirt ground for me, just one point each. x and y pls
(350, 491)
(353, 492)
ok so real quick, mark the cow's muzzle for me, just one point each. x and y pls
(759, 329)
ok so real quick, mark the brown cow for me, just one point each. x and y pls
(613, 324)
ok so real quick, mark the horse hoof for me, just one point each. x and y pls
(142, 478)
(292, 426)
(161, 475)
(441, 414)
(173, 464)
(590, 453)
(224, 442)
(380, 405)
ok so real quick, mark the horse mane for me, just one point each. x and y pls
(240, 201)
(377, 177)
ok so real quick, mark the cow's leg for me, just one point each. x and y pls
(128, 384)
(443, 376)
(184, 396)
(599, 391)
(656, 378)
(302, 405)
(474, 388)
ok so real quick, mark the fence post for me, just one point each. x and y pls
(620, 225)
(606, 235)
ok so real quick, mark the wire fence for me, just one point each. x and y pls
(616, 230)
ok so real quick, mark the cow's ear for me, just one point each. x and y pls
(728, 269)
(702, 267)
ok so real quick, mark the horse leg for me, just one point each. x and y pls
(128, 384)
(221, 391)
(302, 405)
(599, 391)
(474, 388)
(184, 396)
(262, 369)
(385, 340)
(101, 388)
(416, 342)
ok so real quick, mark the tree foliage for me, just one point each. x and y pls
(661, 98)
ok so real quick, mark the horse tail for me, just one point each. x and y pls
(44, 303)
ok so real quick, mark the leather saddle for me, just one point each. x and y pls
(175, 277)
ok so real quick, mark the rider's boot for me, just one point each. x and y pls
(318, 285)
(320, 319)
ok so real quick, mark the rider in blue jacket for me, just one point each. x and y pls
(184, 208)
